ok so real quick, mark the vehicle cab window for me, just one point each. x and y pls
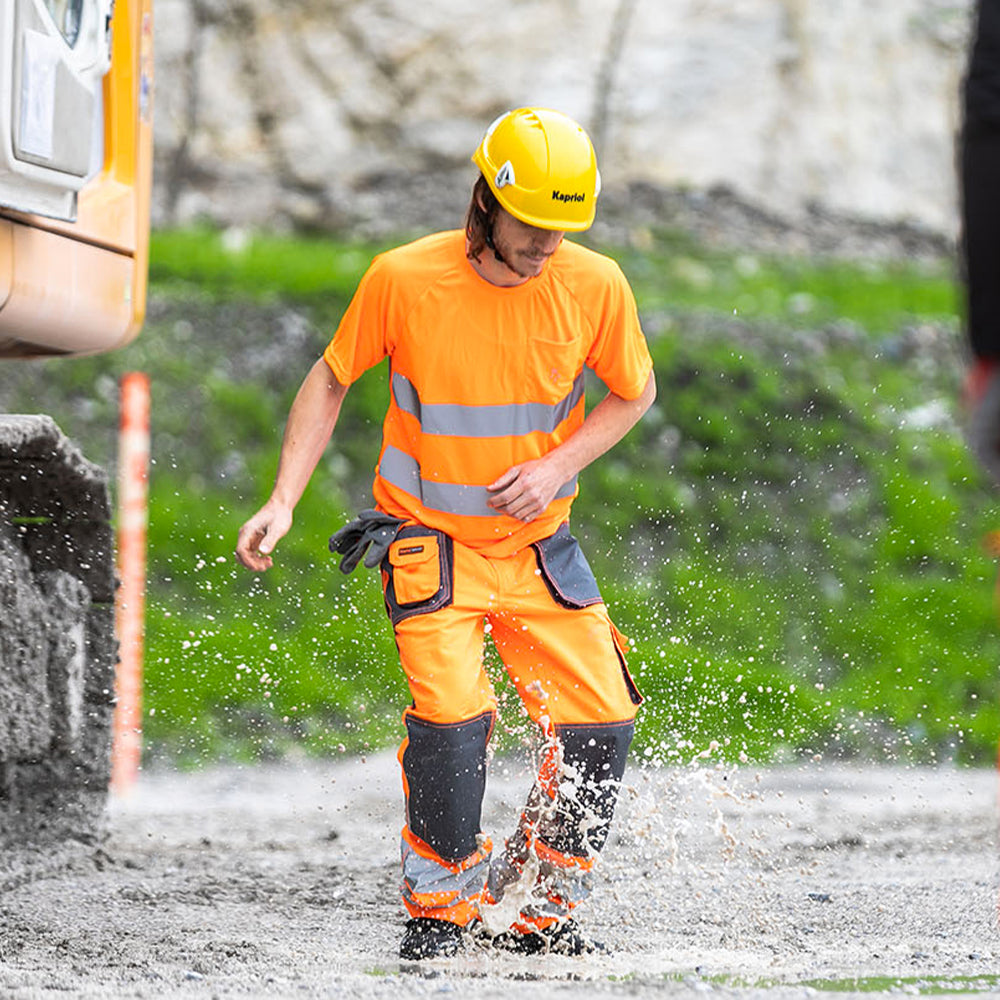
(67, 15)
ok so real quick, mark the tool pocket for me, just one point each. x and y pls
(418, 573)
(565, 570)
(621, 648)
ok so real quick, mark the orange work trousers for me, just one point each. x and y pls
(566, 660)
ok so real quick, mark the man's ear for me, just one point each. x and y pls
(479, 202)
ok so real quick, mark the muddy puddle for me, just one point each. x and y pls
(280, 881)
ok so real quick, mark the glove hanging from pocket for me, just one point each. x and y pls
(370, 527)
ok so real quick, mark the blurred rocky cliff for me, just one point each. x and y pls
(362, 114)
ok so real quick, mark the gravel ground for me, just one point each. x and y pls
(281, 882)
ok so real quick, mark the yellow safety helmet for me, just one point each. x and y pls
(542, 168)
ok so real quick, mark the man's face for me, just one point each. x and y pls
(524, 248)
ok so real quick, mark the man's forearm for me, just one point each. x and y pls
(311, 421)
(524, 491)
(605, 425)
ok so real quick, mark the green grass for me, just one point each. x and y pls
(319, 272)
(675, 273)
(210, 262)
(790, 537)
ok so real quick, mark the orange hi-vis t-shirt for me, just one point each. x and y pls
(483, 377)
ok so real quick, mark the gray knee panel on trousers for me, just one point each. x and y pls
(445, 769)
(593, 765)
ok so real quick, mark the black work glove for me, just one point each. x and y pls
(369, 527)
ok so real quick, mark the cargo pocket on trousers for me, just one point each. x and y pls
(621, 647)
(418, 573)
(565, 570)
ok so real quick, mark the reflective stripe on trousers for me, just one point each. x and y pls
(559, 882)
(433, 887)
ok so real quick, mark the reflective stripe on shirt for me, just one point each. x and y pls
(403, 472)
(486, 421)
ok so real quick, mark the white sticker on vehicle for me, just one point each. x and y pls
(38, 94)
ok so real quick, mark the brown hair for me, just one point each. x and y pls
(479, 221)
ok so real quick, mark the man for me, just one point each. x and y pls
(980, 170)
(488, 332)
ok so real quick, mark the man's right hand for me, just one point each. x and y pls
(261, 534)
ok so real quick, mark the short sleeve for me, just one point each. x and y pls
(362, 337)
(619, 355)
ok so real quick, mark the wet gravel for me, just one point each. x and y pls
(281, 882)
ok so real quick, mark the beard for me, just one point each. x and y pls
(522, 262)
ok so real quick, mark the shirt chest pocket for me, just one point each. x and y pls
(551, 366)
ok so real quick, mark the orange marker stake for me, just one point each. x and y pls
(133, 481)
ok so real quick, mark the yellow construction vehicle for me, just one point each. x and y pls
(75, 166)
(76, 82)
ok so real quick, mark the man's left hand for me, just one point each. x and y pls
(525, 490)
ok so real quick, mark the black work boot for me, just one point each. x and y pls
(429, 938)
(559, 939)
